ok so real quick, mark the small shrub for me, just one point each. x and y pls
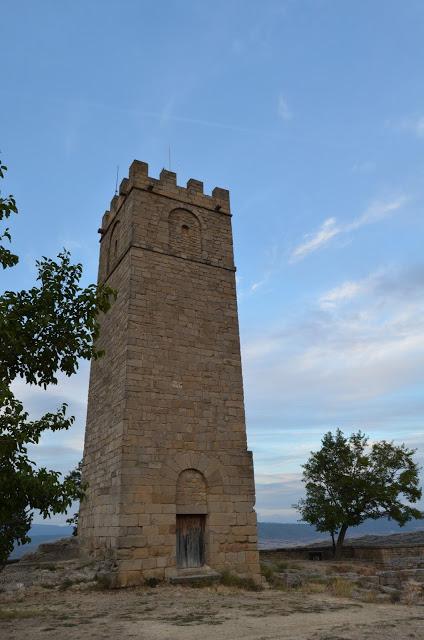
(103, 581)
(281, 566)
(66, 584)
(267, 571)
(151, 582)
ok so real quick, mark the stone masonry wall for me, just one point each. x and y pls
(167, 400)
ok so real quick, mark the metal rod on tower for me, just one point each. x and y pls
(116, 184)
(169, 156)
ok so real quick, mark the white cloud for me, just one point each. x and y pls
(345, 291)
(283, 108)
(360, 341)
(254, 287)
(257, 285)
(411, 124)
(287, 479)
(330, 228)
(260, 348)
(58, 450)
(396, 285)
(276, 514)
(418, 127)
(378, 210)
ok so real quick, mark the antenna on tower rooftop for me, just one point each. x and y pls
(169, 157)
(116, 184)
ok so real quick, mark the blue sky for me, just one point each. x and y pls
(312, 114)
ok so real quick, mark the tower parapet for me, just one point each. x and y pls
(158, 215)
(166, 185)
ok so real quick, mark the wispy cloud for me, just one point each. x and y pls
(253, 288)
(345, 291)
(330, 228)
(314, 241)
(257, 285)
(358, 342)
(410, 124)
(283, 108)
(390, 284)
(417, 127)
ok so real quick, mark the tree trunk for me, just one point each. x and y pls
(340, 540)
(333, 541)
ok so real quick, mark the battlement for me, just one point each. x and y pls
(166, 185)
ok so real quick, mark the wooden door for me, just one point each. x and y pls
(190, 541)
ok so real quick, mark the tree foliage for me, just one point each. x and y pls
(44, 332)
(76, 476)
(348, 481)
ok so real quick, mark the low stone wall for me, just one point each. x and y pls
(386, 555)
(411, 556)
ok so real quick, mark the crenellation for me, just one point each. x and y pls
(138, 169)
(222, 195)
(195, 186)
(168, 178)
(167, 186)
(124, 187)
(105, 221)
(114, 204)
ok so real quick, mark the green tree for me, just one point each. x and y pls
(44, 331)
(76, 476)
(348, 481)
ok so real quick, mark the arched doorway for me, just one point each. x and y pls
(191, 519)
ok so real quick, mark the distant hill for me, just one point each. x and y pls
(276, 534)
(270, 534)
(40, 533)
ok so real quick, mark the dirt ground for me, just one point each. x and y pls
(209, 613)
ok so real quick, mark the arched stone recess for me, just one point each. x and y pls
(114, 246)
(191, 493)
(185, 234)
(213, 472)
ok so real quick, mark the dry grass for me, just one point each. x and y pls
(366, 570)
(413, 593)
(341, 588)
(313, 587)
(231, 580)
(20, 614)
(339, 568)
(369, 596)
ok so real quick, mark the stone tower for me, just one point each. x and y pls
(170, 479)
